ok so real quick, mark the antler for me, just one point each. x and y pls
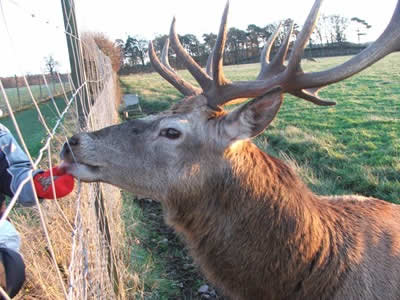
(166, 71)
(164, 55)
(388, 42)
(269, 69)
(275, 74)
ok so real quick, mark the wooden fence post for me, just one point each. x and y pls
(16, 85)
(40, 88)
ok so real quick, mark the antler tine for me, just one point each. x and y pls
(218, 53)
(311, 95)
(302, 39)
(390, 39)
(181, 85)
(276, 65)
(280, 57)
(264, 57)
(201, 77)
(220, 91)
(164, 55)
(293, 68)
(220, 86)
(209, 63)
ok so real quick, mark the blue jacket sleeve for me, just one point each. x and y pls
(14, 168)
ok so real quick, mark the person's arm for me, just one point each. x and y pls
(15, 168)
(12, 267)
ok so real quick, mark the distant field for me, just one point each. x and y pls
(353, 147)
(39, 92)
(32, 130)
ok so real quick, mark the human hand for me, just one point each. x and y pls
(63, 182)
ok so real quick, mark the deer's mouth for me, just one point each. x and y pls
(82, 171)
(73, 164)
(69, 165)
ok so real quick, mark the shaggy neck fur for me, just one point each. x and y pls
(257, 215)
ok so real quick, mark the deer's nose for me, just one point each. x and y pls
(73, 141)
(68, 146)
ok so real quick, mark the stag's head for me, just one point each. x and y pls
(188, 143)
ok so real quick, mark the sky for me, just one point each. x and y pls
(31, 30)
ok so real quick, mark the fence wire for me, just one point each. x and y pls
(71, 246)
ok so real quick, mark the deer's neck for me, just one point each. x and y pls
(250, 186)
(256, 211)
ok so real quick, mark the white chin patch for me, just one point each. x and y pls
(82, 172)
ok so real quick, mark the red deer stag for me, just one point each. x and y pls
(251, 224)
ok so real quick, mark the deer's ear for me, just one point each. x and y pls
(251, 118)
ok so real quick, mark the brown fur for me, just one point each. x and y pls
(259, 233)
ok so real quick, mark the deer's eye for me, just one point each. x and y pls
(170, 133)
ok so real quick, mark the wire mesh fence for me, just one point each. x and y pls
(71, 246)
(43, 87)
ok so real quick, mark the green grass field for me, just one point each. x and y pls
(32, 130)
(352, 147)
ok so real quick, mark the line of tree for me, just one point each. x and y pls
(242, 45)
